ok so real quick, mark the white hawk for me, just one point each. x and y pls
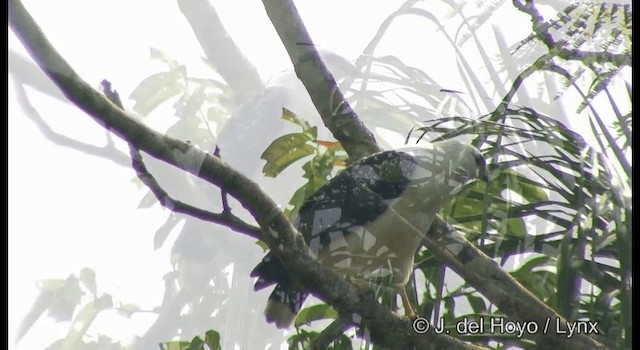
(350, 228)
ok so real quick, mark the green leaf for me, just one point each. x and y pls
(317, 171)
(292, 117)
(55, 345)
(477, 303)
(155, 89)
(596, 274)
(41, 304)
(301, 195)
(66, 299)
(88, 278)
(211, 84)
(217, 115)
(342, 343)
(301, 339)
(284, 151)
(536, 277)
(189, 105)
(312, 132)
(163, 232)
(513, 227)
(83, 320)
(212, 338)
(567, 277)
(176, 345)
(52, 284)
(127, 310)
(196, 343)
(314, 313)
(156, 54)
(136, 181)
(518, 183)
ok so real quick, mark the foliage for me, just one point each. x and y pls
(78, 301)
(287, 149)
(303, 340)
(557, 213)
(555, 206)
(211, 342)
(577, 215)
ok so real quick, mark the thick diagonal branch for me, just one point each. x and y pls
(335, 111)
(477, 268)
(220, 48)
(386, 328)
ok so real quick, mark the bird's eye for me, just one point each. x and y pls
(480, 160)
(481, 164)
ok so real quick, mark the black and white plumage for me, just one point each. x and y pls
(349, 227)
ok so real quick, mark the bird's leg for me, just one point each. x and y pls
(408, 309)
(364, 288)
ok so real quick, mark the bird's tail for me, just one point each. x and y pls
(283, 306)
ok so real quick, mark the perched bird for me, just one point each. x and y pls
(350, 228)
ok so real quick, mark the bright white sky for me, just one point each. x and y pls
(68, 210)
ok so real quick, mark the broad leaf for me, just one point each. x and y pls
(155, 89)
(315, 313)
(284, 151)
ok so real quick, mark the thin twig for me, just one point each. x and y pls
(540, 27)
(225, 218)
(108, 151)
(223, 193)
(617, 151)
(277, 231)
(335, 111)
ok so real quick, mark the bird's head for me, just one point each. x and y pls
(465, 160)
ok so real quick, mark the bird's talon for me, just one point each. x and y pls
(410, 315)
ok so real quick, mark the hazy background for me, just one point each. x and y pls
(69, 210)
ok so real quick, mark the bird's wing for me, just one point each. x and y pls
(358, 195)
(341, 207)
(345, 221)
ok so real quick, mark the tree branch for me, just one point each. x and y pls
(220, 49)
(223, 194)
(225, 218)
(541, 62)
(442, 240)
(106, 152)
(333, 108)
(387, 328)
(504, 291)
(540, 27)
(329, 334)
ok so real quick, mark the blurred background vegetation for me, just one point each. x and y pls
(551, 112)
